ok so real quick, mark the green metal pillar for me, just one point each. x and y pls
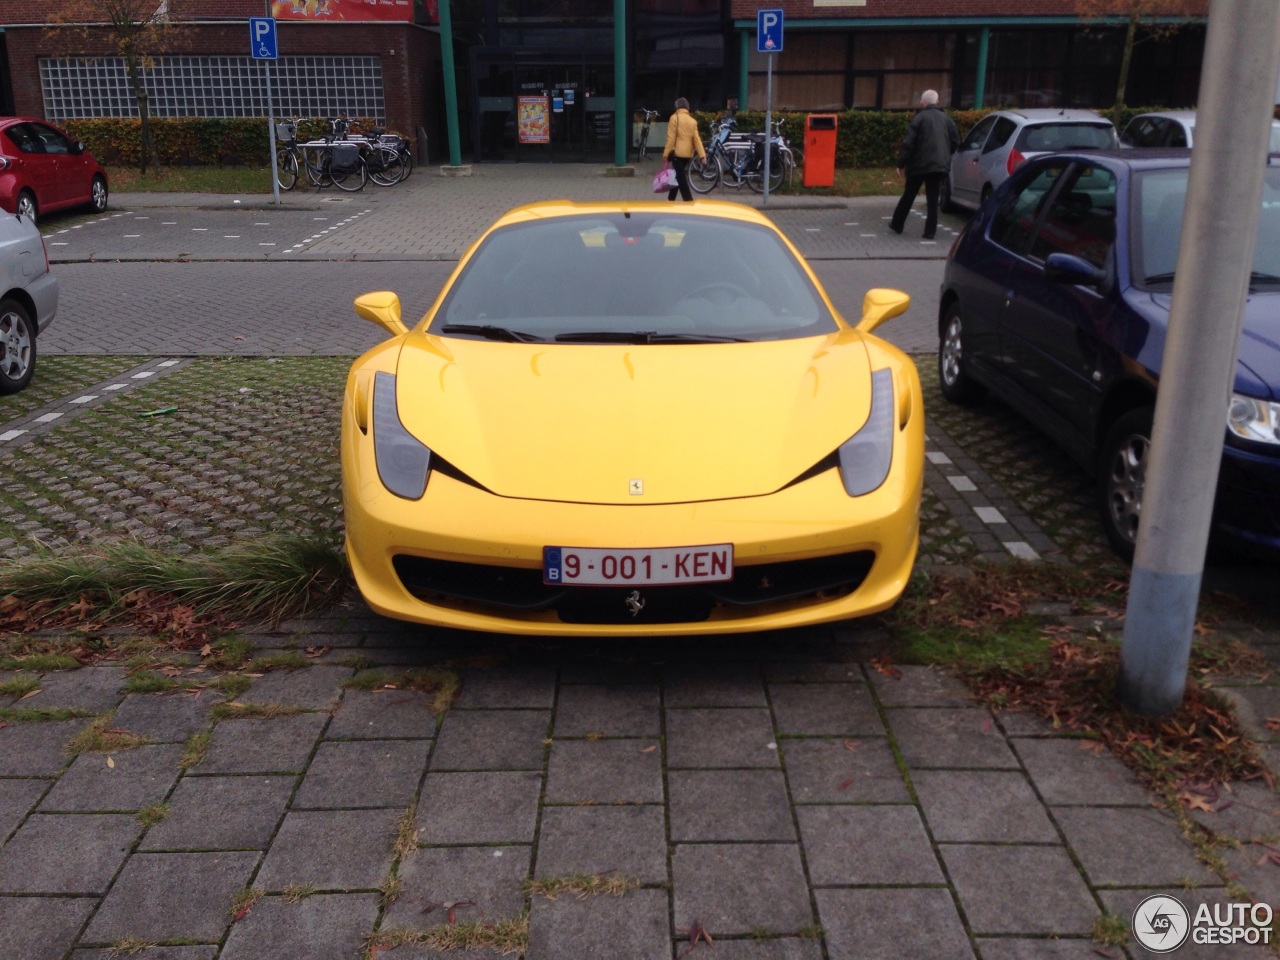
(621, 128)
(450, 83)
(744, 74)
(980, 81)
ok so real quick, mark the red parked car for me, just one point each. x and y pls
(42, 170)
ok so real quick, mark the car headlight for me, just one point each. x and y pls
(403, 461)
(1256, 420)
(865, 457)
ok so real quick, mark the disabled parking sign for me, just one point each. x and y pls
(262, 38)
(768, 31)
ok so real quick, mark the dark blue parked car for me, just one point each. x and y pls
(1056, 298)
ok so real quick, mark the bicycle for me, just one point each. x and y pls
(642, 142)
(384, 155)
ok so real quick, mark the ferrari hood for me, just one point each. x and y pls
(659, 423)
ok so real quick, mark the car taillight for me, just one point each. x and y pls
(1015, 158)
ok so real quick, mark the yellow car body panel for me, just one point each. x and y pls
(545, 441)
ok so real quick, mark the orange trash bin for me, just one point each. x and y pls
(820, 150)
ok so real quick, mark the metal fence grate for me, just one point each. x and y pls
(195, 86)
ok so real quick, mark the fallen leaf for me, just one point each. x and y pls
(29, 693)
(846, 785)
(885, 667)
(1273, 723)
(206, 650)
(852, 744)
(649, 749)
(314, 652)
(111, 763)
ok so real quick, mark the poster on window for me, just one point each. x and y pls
(534, 120)
(336, 11)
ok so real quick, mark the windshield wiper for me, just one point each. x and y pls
(641, 336)
(490, 332)
(1257, 277)
(1159, 278)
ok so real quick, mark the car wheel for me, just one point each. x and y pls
(26, 206)
(98, 194)
(957, 386)
(945, 203)
(17, 346)
(1122, 478)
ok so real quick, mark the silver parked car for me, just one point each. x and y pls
(28, 299)
(1173, 128)
(1000, 141)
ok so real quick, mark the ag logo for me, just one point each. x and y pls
(1161, 924)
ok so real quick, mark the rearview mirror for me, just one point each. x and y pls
(383, 308)
(881, 304)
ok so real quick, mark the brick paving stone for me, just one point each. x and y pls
(379, 714)
(917, 686)
(416, 951)
(312, 688)
(782, 948)
(617, 710)
(165, 717)
(363, 773)
(97, 689)
(605, 771)
(172, 896)
(707, 805)
(949, 738)
(41, 928)
(1123, 903)
(222, 813)
(152, 953)
(486, 807)
(1020, 889)
(611, 671)
(714, 685)
(66, 853)
(720, 738)
(1130, 846)
(1065, 774)
(528, 686)
(17, 797)
(971, 806)
(134, 779)
(892, 924)
(332, 926)
(1023, 723)
(491, 740)
(635, 926)
(822, 770)
(330, 849)
(36, 749)
(276, 745)
(1245, 866)
(1243, 811)
(1048, 949)
(490, 877)
(825, 708)
(866, 845)
(739, 888)
(801, 671)
(630, 840)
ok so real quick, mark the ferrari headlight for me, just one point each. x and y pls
(865, 457)
(402, 460)
(1256, 420)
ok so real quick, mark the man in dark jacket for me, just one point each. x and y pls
(924, 159)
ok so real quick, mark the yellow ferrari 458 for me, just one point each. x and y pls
(632, 418)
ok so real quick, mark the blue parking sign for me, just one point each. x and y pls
(262, 38)
(768, 31)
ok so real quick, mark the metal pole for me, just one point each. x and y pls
(622, 129)
(980, 78)
(271, 132)
(450, 83)
(768, 125)
(1242, 57)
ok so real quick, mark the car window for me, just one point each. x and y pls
(978, 134)
(1081, 219)
(54, 142)
(1066, 136)
(23, 137)
(1004, 129)
(1177, 134)
(1015, 221)
(664, 274)
(1142, 132)
(1159, 201)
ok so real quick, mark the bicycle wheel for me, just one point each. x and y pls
(704, 174)
(286, 168)
(755, 173)
(390, 169)
(406, 158)
(642, 144)
(316, 163)
(351, 182)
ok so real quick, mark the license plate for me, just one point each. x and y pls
(593, 567)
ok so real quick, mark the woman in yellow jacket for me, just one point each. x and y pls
(682, 143)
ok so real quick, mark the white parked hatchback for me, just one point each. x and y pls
(1003, 139)
(1173, 128)
(28, 299)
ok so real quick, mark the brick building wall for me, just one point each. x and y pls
(967, 9)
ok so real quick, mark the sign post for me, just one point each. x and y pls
(768, 41)
(262, 46)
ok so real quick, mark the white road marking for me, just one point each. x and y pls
(989, 515)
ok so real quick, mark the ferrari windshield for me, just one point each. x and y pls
(633, 278)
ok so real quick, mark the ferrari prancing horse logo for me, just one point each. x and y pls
(634, 603)
(636, 488)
